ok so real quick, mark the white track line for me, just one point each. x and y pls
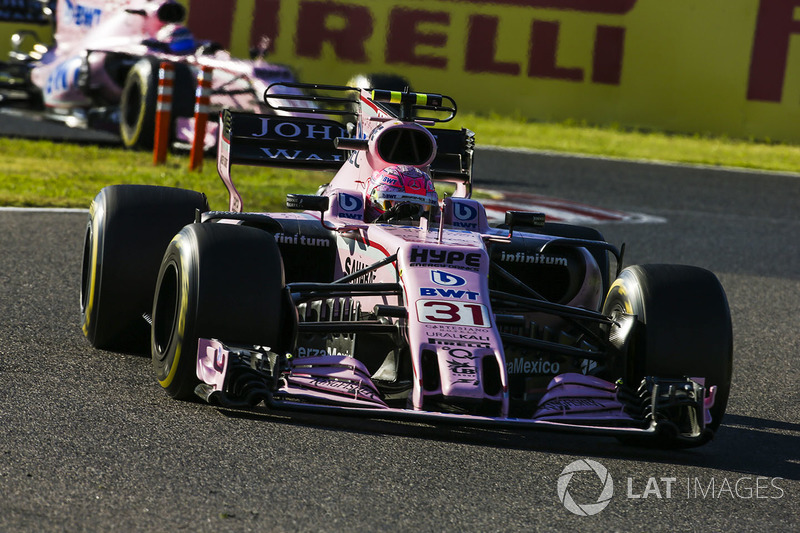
(45, 209)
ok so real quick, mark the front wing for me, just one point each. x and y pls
(674, 409)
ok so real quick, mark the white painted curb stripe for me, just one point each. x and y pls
(45, 209)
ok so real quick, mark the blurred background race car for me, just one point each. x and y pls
(102, 69)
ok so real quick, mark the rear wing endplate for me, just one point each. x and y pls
(275, 141)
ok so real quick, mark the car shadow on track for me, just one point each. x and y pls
(744, 445)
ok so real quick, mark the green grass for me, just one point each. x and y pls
(39, 173)
(70, 176)
(618, 142)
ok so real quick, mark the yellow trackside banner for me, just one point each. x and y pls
(726, 67)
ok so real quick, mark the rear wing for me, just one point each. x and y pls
(310, 139)
(275, 141)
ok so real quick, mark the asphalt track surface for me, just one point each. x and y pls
(89, 442)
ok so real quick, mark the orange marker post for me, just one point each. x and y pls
(201, 109)
(166, 79)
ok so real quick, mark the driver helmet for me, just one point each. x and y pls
(399, 192)
(177, 38)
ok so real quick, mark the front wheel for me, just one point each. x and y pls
(683, 326)
(129, 228)
(218, 281)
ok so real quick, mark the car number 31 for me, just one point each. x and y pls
(461, 313)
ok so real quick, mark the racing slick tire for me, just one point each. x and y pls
(683, 326)
(220, 281)
(139, 98)
(128, 230)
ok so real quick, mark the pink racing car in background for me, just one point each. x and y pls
(102, 69)
(382, 296)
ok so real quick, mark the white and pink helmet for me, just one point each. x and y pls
(398, 193)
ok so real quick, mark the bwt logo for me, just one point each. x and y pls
(465, 212)
(81, 15)
(351, 205)
(446, 279)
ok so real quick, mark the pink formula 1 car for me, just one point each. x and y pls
(382, 296)
(102, 70)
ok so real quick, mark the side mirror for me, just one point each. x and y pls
(523, 218)
(308, 202)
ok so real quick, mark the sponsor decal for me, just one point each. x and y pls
(464, 212)
(533, 259)
(460, 313)
(460, 367)
(299, 155)
(449, 293)
(458, 337)
(461, 336)
(321, 352)
(567, 404)
(64, 76)
(350, 206)
(465, 216)
(460, 353)
(81, 15)
(302, 240)
(446, 279)
(520, 365)
(450, 258)
(468, 225)
(460, 343)
(345, 387)
(587, 365)
(352, 265)
(292, 130)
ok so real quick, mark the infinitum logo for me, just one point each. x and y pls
(585, 509)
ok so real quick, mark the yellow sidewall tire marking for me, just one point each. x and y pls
(183, 309)
(619, 286)
(92, 281)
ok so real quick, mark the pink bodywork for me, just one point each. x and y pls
(443, 274)
(88, 30)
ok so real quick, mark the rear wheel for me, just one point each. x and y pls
(683, 326)
(219, 281)
(139, 98)
(128, 230)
